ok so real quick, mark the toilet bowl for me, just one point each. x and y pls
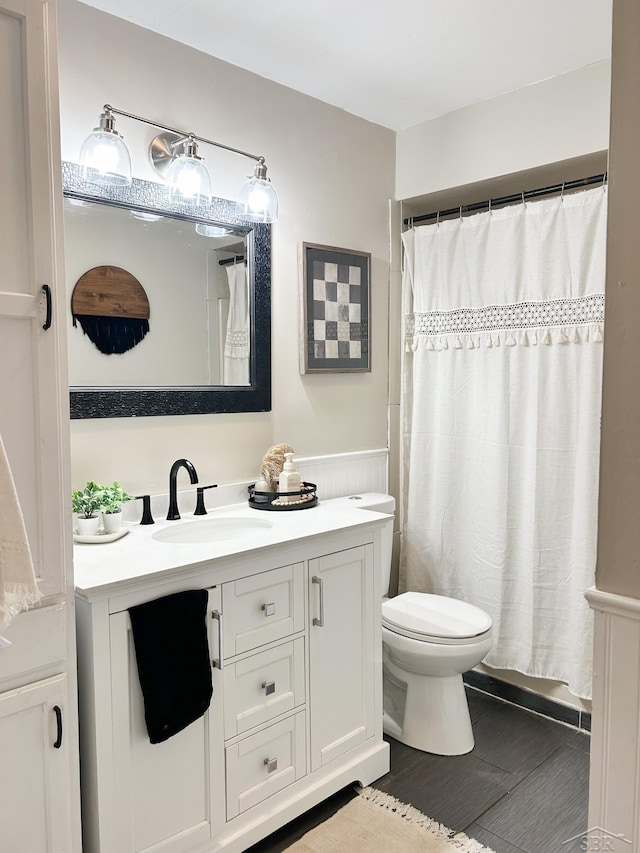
(428, 641)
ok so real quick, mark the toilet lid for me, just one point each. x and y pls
(422, 614)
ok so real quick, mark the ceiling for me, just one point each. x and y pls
(394, 63)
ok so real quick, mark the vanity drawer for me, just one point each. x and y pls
(264, 763)
(262, 686)
(262, 608)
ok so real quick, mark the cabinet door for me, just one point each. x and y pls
(33, 380)
(163, 799)
(341, 675)
(34, 780)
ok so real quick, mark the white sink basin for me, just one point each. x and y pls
(211, 530)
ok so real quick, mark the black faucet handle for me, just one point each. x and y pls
(200, 507)
(147, 518)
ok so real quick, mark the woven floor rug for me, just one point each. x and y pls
(374, 822)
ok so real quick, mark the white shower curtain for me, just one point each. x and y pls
(236, 345)
(501, 416)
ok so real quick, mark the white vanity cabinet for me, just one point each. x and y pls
(295, 716)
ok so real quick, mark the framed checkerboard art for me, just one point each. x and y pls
(335, 310)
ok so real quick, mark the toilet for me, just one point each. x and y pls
(428, 641)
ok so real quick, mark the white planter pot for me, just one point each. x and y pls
(112, 521)
(88, 526)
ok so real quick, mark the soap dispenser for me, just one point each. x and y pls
(289, 480)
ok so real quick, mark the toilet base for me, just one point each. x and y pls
(436, 714)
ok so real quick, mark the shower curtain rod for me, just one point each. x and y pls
(509, 199)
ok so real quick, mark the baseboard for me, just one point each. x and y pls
(527, 699)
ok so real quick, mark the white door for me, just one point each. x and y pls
(164, 797)
(34, 774)
(33, 382)
(341, 652)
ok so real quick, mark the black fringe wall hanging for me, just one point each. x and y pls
(112, 308)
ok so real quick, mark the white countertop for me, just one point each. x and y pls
(138, 555)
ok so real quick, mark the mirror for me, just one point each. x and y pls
(170, 306)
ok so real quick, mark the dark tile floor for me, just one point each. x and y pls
(523, 789)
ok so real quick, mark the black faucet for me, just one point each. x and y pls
(173, 513)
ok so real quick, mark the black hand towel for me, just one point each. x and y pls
(170, 637)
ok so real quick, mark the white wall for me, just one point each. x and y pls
(334, 173)
(548, 122)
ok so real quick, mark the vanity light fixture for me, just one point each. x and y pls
(104, 156)
(104, 159)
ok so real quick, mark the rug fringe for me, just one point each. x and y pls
(413, 815)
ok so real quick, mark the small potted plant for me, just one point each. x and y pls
(113, 497)
(86, 504)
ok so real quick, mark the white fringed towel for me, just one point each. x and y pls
(18, 585)
(236, 347)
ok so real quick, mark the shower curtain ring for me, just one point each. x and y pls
(460, 213)
(562, 192)
(438, 218)
(489, 207)
(523, 198)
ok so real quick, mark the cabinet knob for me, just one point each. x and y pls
(269, 609)
(271, 764)
(269, 687)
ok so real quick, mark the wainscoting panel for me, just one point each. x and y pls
(614, 796)
(347, 473)
(335, 475)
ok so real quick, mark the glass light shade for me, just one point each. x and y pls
(105, 159)
(259, 200)
(212, 230)
(189, 181)
(144, 216)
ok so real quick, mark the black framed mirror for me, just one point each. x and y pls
(198, 356)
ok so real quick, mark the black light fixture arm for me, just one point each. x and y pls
(108, 109)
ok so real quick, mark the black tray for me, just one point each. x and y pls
(266, 500)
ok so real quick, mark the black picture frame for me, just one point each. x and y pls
(335, 311)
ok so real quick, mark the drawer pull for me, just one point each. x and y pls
(269, 609)
(269, 687)
(271, 764)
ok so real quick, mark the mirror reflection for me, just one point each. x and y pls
(194, 278)
(169, 304)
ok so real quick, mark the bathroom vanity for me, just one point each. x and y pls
(294, 640)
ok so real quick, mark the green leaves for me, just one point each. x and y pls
(113, 498)
(96, 498)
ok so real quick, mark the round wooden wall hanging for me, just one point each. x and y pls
(112, 308)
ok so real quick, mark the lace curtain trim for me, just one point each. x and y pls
(237, 344)
(523, 323)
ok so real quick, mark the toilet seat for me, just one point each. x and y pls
(435, 618)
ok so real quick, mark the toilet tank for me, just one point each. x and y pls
(379, 502)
